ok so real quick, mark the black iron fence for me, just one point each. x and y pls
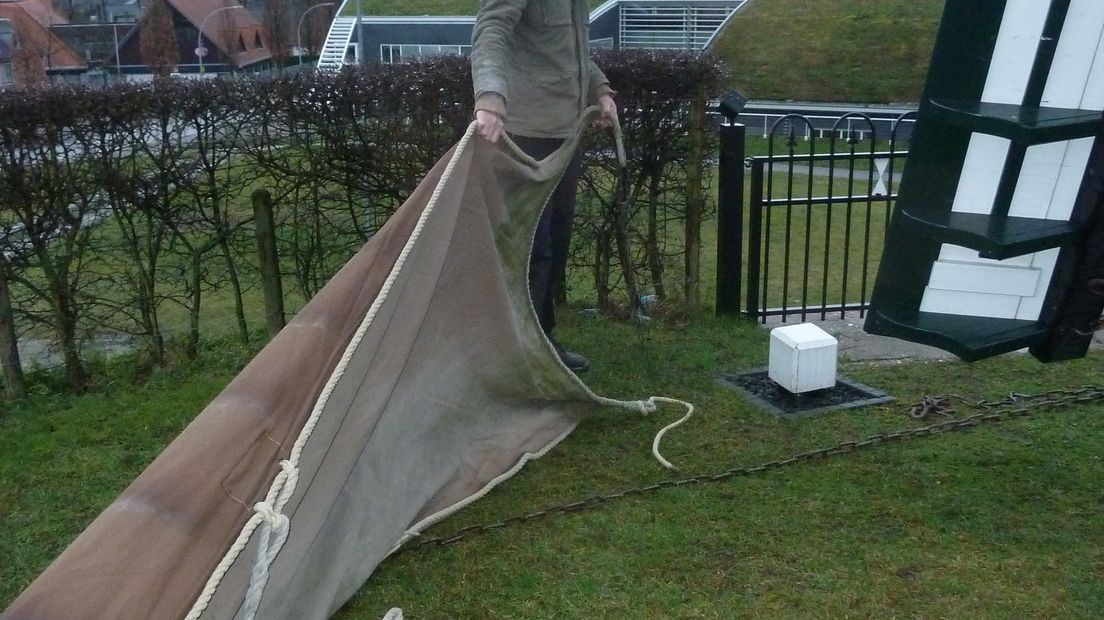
(818, 205)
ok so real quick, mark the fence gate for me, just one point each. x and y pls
(818, 207)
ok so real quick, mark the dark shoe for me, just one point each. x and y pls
(573, 361)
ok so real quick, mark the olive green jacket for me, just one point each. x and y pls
(531, 64)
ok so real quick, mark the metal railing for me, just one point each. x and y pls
(673, 24)
(403, 52)
(818, 210)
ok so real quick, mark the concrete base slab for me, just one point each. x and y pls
(757, 386)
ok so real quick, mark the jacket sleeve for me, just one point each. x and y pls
(599, 84)
(494, 26)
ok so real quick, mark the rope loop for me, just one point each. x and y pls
(274, 533)
(275, 521)
(659, 436)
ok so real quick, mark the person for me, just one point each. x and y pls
(533, 77)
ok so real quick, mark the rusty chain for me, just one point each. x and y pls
(1015, 405)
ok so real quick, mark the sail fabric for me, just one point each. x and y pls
(414, 381)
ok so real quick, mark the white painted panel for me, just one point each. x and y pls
(1006, 82)
(1032, 306)
(1076, 80)
(1014, 54)
(1069, 179)
(969, 304)
(981, 172)
(1068, 82)
(977, 278)
(1093, 99)
(1038, 178)
(959, 253)
(1051, 175)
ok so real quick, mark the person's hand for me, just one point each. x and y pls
(488, 125)
(609, 111)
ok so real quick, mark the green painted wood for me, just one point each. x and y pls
(950, 113)
(970, 338)
(998, 238)
(1026, 125)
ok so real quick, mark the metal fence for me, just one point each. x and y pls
(817, 208)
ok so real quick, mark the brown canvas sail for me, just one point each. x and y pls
(414, 381)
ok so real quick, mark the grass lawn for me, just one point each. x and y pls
(995, 522)
(1000, 521)
(873, 51)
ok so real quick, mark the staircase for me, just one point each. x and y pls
(337, 44)
(674, 24)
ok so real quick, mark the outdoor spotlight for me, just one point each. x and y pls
(732, 103)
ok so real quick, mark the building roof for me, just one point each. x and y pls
(41, 11)
(227, 30)
(32, 20)
(94, 41)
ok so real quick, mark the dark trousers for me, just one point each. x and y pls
(548, 262)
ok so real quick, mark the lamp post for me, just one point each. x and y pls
(200, 50)
(356, 31)
(299, 29)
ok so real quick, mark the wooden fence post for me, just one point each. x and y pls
(14, 384)
(694, 204)
(270, 262)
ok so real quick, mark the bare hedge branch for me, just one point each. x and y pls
(117, 204)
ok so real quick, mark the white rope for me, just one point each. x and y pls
(416, 530)
(283, 486)
(644, 407)
(659, 436)
(273, 523)
(275, 526)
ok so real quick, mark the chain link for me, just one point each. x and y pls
(1015, 405)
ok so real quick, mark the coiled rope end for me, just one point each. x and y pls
(659, 436)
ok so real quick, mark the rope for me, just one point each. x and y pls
(283, 486)
(274, 523)
(416, 530)
(990, 412)
(644, 407)
(275, 526)
(619, 143)
(659, 436)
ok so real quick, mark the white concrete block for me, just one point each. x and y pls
(802, 358)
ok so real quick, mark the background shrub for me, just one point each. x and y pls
(124, 212)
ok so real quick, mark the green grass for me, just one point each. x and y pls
(874, 51)
(64, 458)
(1000, 521)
